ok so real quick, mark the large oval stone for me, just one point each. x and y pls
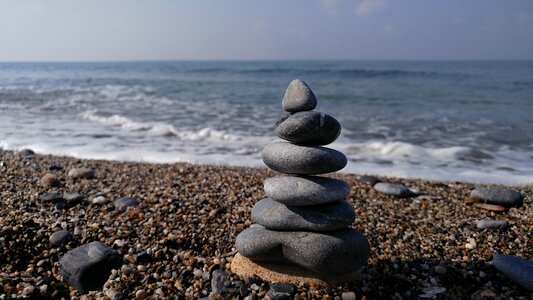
(306, 190)
(309, 127)
(298, 97)
(288, 158)
(326, 254)
(505, 197)
(518, 269)
(325, 217)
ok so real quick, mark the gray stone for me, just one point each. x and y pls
(370, 180)
(306, 190)
(518, 269)
(504, 197)
(51, 197)
(309, 127)
(76, 173)
(325, 217)
(220, 282)
(489, 223)
(281, 291)
(397, 190)
(72, 197)
(326, 254)
(99, 200)
(60, 237)
(123, 203)
(298, 97)
(88, 267)
(288, 158)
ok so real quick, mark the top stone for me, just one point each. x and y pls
(298, 97)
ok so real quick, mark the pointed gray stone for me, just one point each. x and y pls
(518, 269)
(298, 97)
(306, 190)
(309, 127)
(505, 197)
(325, 217)
(289, 158)
(326, 254)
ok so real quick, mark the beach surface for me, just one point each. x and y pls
(189, 216)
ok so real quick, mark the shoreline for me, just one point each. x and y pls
(189, 216)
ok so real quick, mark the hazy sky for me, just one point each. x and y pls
(75, 30)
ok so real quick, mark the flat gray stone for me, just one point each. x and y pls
(368, 179)
(72, 197)
(517, 269)
(504, 197)
(490, 223)
(397, 190)
(289, 158)
(51, 197)
(88, 267)
(281, 291)
(60, 237)
(122, 204)
(76, 173)
(298, 97)
(306, 190)
(309, 127)
(326, 254)
(325, 217)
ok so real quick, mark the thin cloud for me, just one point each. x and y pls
(331, 6)
(366, 7)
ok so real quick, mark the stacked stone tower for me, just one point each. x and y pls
(305, 222)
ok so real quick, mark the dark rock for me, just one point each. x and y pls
(281, 291)
(370, 180)
(49, 180)
(72, 197)
(397, 190)
(88, 267)
(518, 269)
(298, 97)
(306, 190)
(122, 204)
(288, 158)
(27, 153)
(327, 254)
(504, 197)
(60, 237)
(51, 197)
(77, 173)
(220, 282)
(325, 217)
(309, 127)
(489, 223)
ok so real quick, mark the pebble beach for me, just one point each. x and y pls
(179, 241)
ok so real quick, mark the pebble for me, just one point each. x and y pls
(72, 197)
(99, 200)
(83, 173)
(122, 204)
(440, 270)
(309, 128)
(60, 237)
(49, 180)
(141, 294)
(219, 281)
(471, 244)
(306, 190)
(325, 217)
(370, 180)
(127, 269)
(504, 197)
(348, 296)
(490, 223)
(289, 158)
(298, 97)
(281, 291)
(52, 197)
(338, 252)
(518, 269)
(397, 190)
(491, 207)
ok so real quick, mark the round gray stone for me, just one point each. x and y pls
(518, 269)
(298, 97)
(289, 158)
(81, 173)
(504, 197)
(397, 190)
(123, 203)
(325, 217)
(306, 190)
(326, 254)
(60, 237)
(309, 127)
(490, 223)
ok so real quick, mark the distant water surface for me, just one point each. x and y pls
(457, 121)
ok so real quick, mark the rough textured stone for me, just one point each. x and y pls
(123, 203)
(518, 269)
(489, 223)
(306, 190)
(337, 252)
(288, 158)
(325, 217)
(81, 173)
(397, 190)
(505, 197)
(88, 267)
(49, 180)
(298, 97)
(60, 237)
(281, 291)
(309, 127)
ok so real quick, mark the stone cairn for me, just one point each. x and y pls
(303, 229)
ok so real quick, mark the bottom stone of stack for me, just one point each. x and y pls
(285, 272)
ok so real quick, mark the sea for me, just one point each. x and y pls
(466, 121)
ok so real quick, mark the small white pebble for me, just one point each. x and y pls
(141, 268)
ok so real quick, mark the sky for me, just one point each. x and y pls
(117, 30)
